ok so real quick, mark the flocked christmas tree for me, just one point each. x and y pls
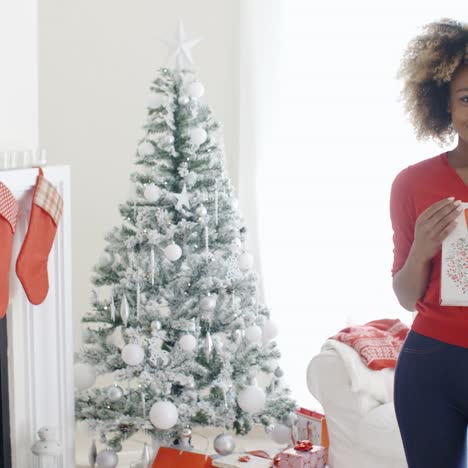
(175, 316)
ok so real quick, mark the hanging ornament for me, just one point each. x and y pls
(198, 136)
(196, 90)
(270, 330)
(107, 459)
(92, 454)
(251, 399)
(188, 343)
(279, 372)
(245, 261)
(85, 375)
(173, 252)
(201, 211)
(138, 300)
(133, 354)
(114, 393)
(164, 415)
(281, 434)
(156, 325)
(105, 259)
(145, 149)
(184, 100)
(146, 456)
(124, 310)
(208, 346)
(237, 335)
(208, 303)
(216, 203)
(184, 439)
(224, 444)
(112, 309)
(155, 100)
(183, 198)
(253, 334)
(143, 404)
(152, 193)
(152, 266)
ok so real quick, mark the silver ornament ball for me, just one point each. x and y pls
(279, 372)
(290, 419)
(114, 393)
(156, 325)
(224, 444)
(107, 459)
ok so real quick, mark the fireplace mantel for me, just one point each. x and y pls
(40, 338)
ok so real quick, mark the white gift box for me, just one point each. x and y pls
(454, 268)
(232, 461)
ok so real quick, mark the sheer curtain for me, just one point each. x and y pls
(326, 136)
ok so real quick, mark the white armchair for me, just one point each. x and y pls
(358, 405)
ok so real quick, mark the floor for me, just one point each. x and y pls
(201, 439)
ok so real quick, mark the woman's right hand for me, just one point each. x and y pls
(433, 225)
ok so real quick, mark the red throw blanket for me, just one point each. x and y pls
(377, 342)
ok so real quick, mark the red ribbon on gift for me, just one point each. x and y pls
(262, 454)
(303, 445)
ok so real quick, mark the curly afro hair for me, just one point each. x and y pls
(427, 67)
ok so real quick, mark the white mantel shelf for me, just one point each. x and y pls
(40, 338)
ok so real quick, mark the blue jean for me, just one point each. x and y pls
(431, 402)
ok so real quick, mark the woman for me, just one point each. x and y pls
(431, 375)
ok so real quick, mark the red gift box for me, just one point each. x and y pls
(174, 458)
(312, 426)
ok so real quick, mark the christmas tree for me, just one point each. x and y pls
(175, 317)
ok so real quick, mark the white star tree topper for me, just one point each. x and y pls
(180, 54)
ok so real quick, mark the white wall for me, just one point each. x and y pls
(18, 76)
(96, 61)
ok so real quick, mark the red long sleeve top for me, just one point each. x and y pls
(413, 190)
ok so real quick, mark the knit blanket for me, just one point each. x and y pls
(378, 343)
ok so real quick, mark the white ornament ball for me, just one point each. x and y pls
(224, 444)
(201, 211)
(173, 252)
(188, 343)
(107, 459)
(155, 100)
(85, 376)
(145, 149)
(253, 334)
(152, 193)
(184, 100)
(196, 90)
(164, 415)
(198, 136)
(251, 399)
(208, 303)
(105, 259)
(133, 354)
(114, 393)
(281, 434)
(245, 261)
(270, 330)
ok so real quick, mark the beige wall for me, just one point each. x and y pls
(96, 61)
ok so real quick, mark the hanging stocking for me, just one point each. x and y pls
(31, 266)
(8, 218)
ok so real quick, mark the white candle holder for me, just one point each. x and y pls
(22, 159)
(47, 449)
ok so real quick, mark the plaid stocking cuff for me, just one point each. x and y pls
(8, 206)
(47, 197)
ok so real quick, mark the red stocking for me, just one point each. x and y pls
(31, 266)
(8, 218)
